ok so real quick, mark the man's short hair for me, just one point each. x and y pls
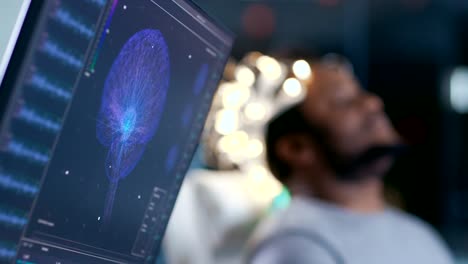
(292, 121)
(286, 123)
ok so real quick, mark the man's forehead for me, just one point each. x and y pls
(328, 84)
(328, 81)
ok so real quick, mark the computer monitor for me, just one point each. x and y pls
(102, 107)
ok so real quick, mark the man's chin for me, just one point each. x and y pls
(374, 163)
(376, 169)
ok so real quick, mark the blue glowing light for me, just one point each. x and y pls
(281, 201)
(12, 219)
(18, 185)
(53, 49)
(201, 79)
(171, 159)
(32, 117)
(128, 123)
(41, 83)
(65, 18)
(20, 150)
(98, 2)
(187, 115)
(132, 103)
(7, 253)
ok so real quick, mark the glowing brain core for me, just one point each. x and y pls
(128, 123)
(132, 104)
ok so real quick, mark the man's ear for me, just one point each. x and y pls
(296, 150)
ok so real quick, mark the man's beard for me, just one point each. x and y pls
(353, 168)
(350, 167)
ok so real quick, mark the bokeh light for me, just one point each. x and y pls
(302, 70)
(234, 95)
(233, 143)
(269, 67)
(255, 111)
(255, 149)
(292, 87)
(227, 121)
(245, 76)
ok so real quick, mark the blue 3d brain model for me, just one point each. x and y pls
(132, 104)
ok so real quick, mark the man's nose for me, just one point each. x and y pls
(372, 103)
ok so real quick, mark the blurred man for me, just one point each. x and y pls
(332, 152)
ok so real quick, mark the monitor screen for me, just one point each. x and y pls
(105, 114)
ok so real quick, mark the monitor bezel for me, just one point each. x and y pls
(214, 20)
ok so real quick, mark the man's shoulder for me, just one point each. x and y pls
(334, 233)
(289, 226)
(294, 247)
(412, 224)
(291, 236)
(296, 216)
(420, 232)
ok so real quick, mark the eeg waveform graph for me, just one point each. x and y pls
(68, 20)
(65, 34)
(11, 218)
(54, 50)
(43, 84)
(31, 116)
(18, 184)
(22, 150)
(132, 104)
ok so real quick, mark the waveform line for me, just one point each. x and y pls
(20, 150)
(41, 83)
(103, 35)
(7, 253)
(53, 50)
(32, 117)
(65, 18)
(17, 184)
(12, 219)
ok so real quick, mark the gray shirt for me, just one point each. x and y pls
(310, 231)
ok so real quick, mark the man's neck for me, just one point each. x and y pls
(365, 196)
